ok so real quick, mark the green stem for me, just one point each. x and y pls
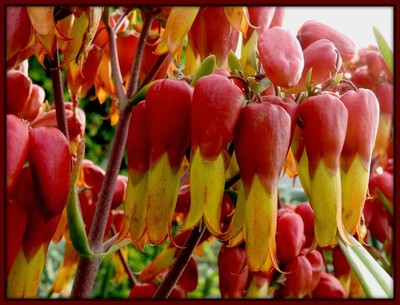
(385, 202)
(376, 254)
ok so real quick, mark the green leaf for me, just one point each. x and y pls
(386, 203)
(386, 52)
(206, 67)
(258, 86)
(375, 282)
(338, 78)
(76, 225)
(234, 63)
(308, 80)
(232, 194)
(141, 95)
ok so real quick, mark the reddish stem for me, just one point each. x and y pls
(88, 267)
(58, 94)
(172, 277)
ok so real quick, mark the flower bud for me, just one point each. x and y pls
(49, 158)
(289, 235)
(328, 287)
(279, 15)
(385, 96)
(307, 215)
(39, 231)
(17, 149)
(317, 263)
(126, 46)
(313, 30)
(232, 272)
(281, 56)
(19, 33)
(19, 87)
(361, 78)
(288, 104)
(298, 277)
(260, 18)
(16, 221)
(324, 59)
(375, 63)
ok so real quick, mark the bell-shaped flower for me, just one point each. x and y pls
(317, 144)
(385, 96)
(26, 265)
(179, 21)
(17, 148)
(214, 95)
(212, 33)
(49, 157)
(19, 88)
(355, 160)
(168, 105)
(138, 158)
(20, 35)
(261, 140)
(157, 140)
